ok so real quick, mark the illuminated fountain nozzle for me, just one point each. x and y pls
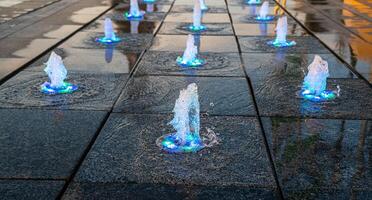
(315, 82)
(281, 34)
(57, 74)
(197, 17)
(254, 2)
(134, 12)
(110, 36)
(186, 122)
(263, 13)
(189, 58)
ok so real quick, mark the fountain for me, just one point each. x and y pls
(263, 13)
(189, 58)
(203, 6)
(281, 34)
(150, 7)
(254, 2)
(186, 122)
(57, 74)
(149, 1)
(197, 15)
(315, 82)
(134, 26)
(134, 13)
(110, 36)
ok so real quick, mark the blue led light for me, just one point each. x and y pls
(105, 40)
(325, 95)
(129, 16)
(194, 63)
(197, 28)
(267, 18)
(149, 1)
(275, 43)
(254, 2)
(172, 144)
(65, 89)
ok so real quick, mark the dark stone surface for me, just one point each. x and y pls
(119, 16)
(122, 27)
(259, 44)
(278, 95)
(128, 149)
(208, 43)
(251, 19)
(265, 29)
(164, 63)
(321, 158)
(213, 18)
(30, 189)
(133, 43)
(159, 6)
(44, 144)
(102, 61)
(258, 65)
(95, 92)
(89, 190)
(188, 9)
(183, 29)
(157, 94)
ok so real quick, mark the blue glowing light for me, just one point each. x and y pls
(267, 18)
(129, 16)
(275, 43)
(197, 28)
(325, 95)
(105, 40)
(65, 89)
(149, 1)
(193, 63)
(254, 2)
(172, 144)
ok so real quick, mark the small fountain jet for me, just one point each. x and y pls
(281, 34)
(57, 73)
(197, 17)
(110, 36)
(134, 12)
(315, 82)
(149, 7)
(263, 13)
(203, 6)
(189, 58)
(186, 122)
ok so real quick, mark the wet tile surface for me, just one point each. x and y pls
(183, 29)
(44, 144)
(141, 161)
(321, 158)
(164, 63)
(217, 95)
(95, 92)
(21, 189)
(207, 18)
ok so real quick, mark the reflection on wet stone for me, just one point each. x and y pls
(183, 28)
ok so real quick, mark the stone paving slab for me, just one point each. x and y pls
(44, 144)
(265, 29)
(164, 63)
(321, 158)
(183, 29)
(132, 43)
(190, 9)
(259, 65)
(259, 44)
(207, 18)
(99, 61)
(30, 189)
(127, 147)
(217, 95)
(95, 92)
(208, 43)
(122, 27)
(89, 190)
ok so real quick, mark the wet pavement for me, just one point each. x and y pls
(99, 142)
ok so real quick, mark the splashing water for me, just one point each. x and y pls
(186, 122)
(57, 73)
(197, 16)
(281, 34)
(263, 13)
(189, 58)
(134, 12)
(110, 36)
(150, 7)
(315, 82)
(253, 2)
(202, 5)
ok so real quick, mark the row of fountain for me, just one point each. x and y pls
(186, 111)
